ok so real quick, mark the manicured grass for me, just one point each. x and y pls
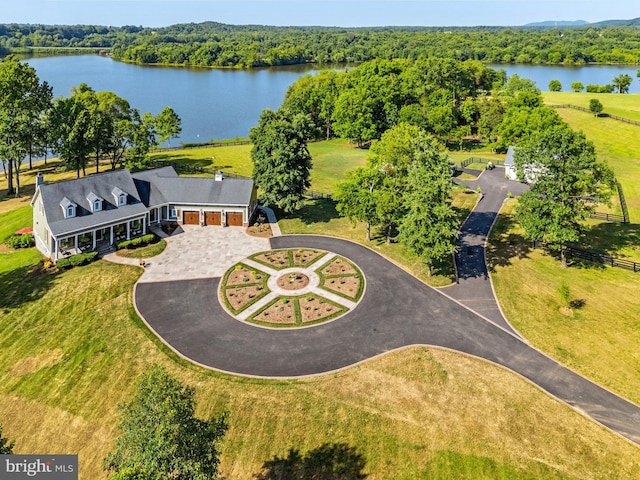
(331, 159)
(626, 105)
(147, 251)
(601, 339)
(68, 357)
(232, 159)
(14, 220)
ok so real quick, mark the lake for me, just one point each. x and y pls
(212, 103)
(221, 104)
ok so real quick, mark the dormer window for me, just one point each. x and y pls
(95, 202)
(120, 196)
(68, 207)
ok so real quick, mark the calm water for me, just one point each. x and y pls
(213, 104)
(595, 74)
(217, 104)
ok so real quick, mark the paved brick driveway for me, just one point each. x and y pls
(201, 252)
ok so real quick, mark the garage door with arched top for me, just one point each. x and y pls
(212, 218)
(234, 219)
(191, 218)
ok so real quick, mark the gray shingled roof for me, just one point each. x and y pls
(163, 185)
(78, 190)
(509, 160)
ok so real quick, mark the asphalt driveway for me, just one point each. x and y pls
(397, 310)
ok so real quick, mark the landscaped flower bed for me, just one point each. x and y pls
(281, 259)
(242, 286)
(306, 292)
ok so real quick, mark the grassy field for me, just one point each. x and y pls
(330, 160)
(71, 347)
(627, 106)
(606, 317)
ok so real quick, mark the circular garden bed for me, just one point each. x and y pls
(291, 288)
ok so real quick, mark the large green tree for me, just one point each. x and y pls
(355, 197)
(23, 100)
(168, 125)
(161, 437)
(622, 83)
(567, 181)
(281, 159)
(430, 225)
(72, 120)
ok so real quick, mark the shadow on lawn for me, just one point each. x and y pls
(23, 284)
(506, 245)
(313, 211)
(336, 461)
(610, 238)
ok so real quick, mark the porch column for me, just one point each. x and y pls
(76, 243)
(94, 239)
(144, 225)
(56, 249)
(111, 235)
(128, 229)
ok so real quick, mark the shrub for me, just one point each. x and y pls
(21, 241)
(591, 88)
(76, 260)
(138, 242)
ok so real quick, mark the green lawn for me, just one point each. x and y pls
(72, 346)
(607, 320)
(626, 105)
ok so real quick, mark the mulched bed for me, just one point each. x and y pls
(314, 309)
(239, 298)
(304, 258)
(338, 266)
(244, 275)
(280, 311)
(293, 281)
(276, 259)
(348, 286)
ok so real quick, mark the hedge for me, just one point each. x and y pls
(76, 260)
(138, 242)
(21, 241)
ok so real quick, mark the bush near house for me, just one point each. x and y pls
(76, 260)
(138, 242)
(21, 241)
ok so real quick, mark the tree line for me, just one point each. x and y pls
(405, 112)
(214, 44)
(85, 127)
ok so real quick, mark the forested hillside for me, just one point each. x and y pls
(213, 44)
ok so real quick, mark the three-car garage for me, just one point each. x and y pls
(234, 219)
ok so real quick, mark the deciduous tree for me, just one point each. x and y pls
(168, 125)
(577, 86)
(161, 437)
(555, 86)
(595, 106)
(23, 99)
(622, 83)
(430, 225)
(281, 159)
(567, 181)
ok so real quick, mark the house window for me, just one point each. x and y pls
(174, 213)
(122, 199)
(97, 205)
(71, 211)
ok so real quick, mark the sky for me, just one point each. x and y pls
(342, 13)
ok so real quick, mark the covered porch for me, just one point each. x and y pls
(92, 239)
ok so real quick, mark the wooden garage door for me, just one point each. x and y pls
(212, 218)
(234, 219)
(191, 218)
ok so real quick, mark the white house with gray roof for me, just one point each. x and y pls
(99, 210)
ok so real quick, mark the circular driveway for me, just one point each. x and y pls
(397, 310)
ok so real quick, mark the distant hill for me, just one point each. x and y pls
(563, 23)
(618, 23)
